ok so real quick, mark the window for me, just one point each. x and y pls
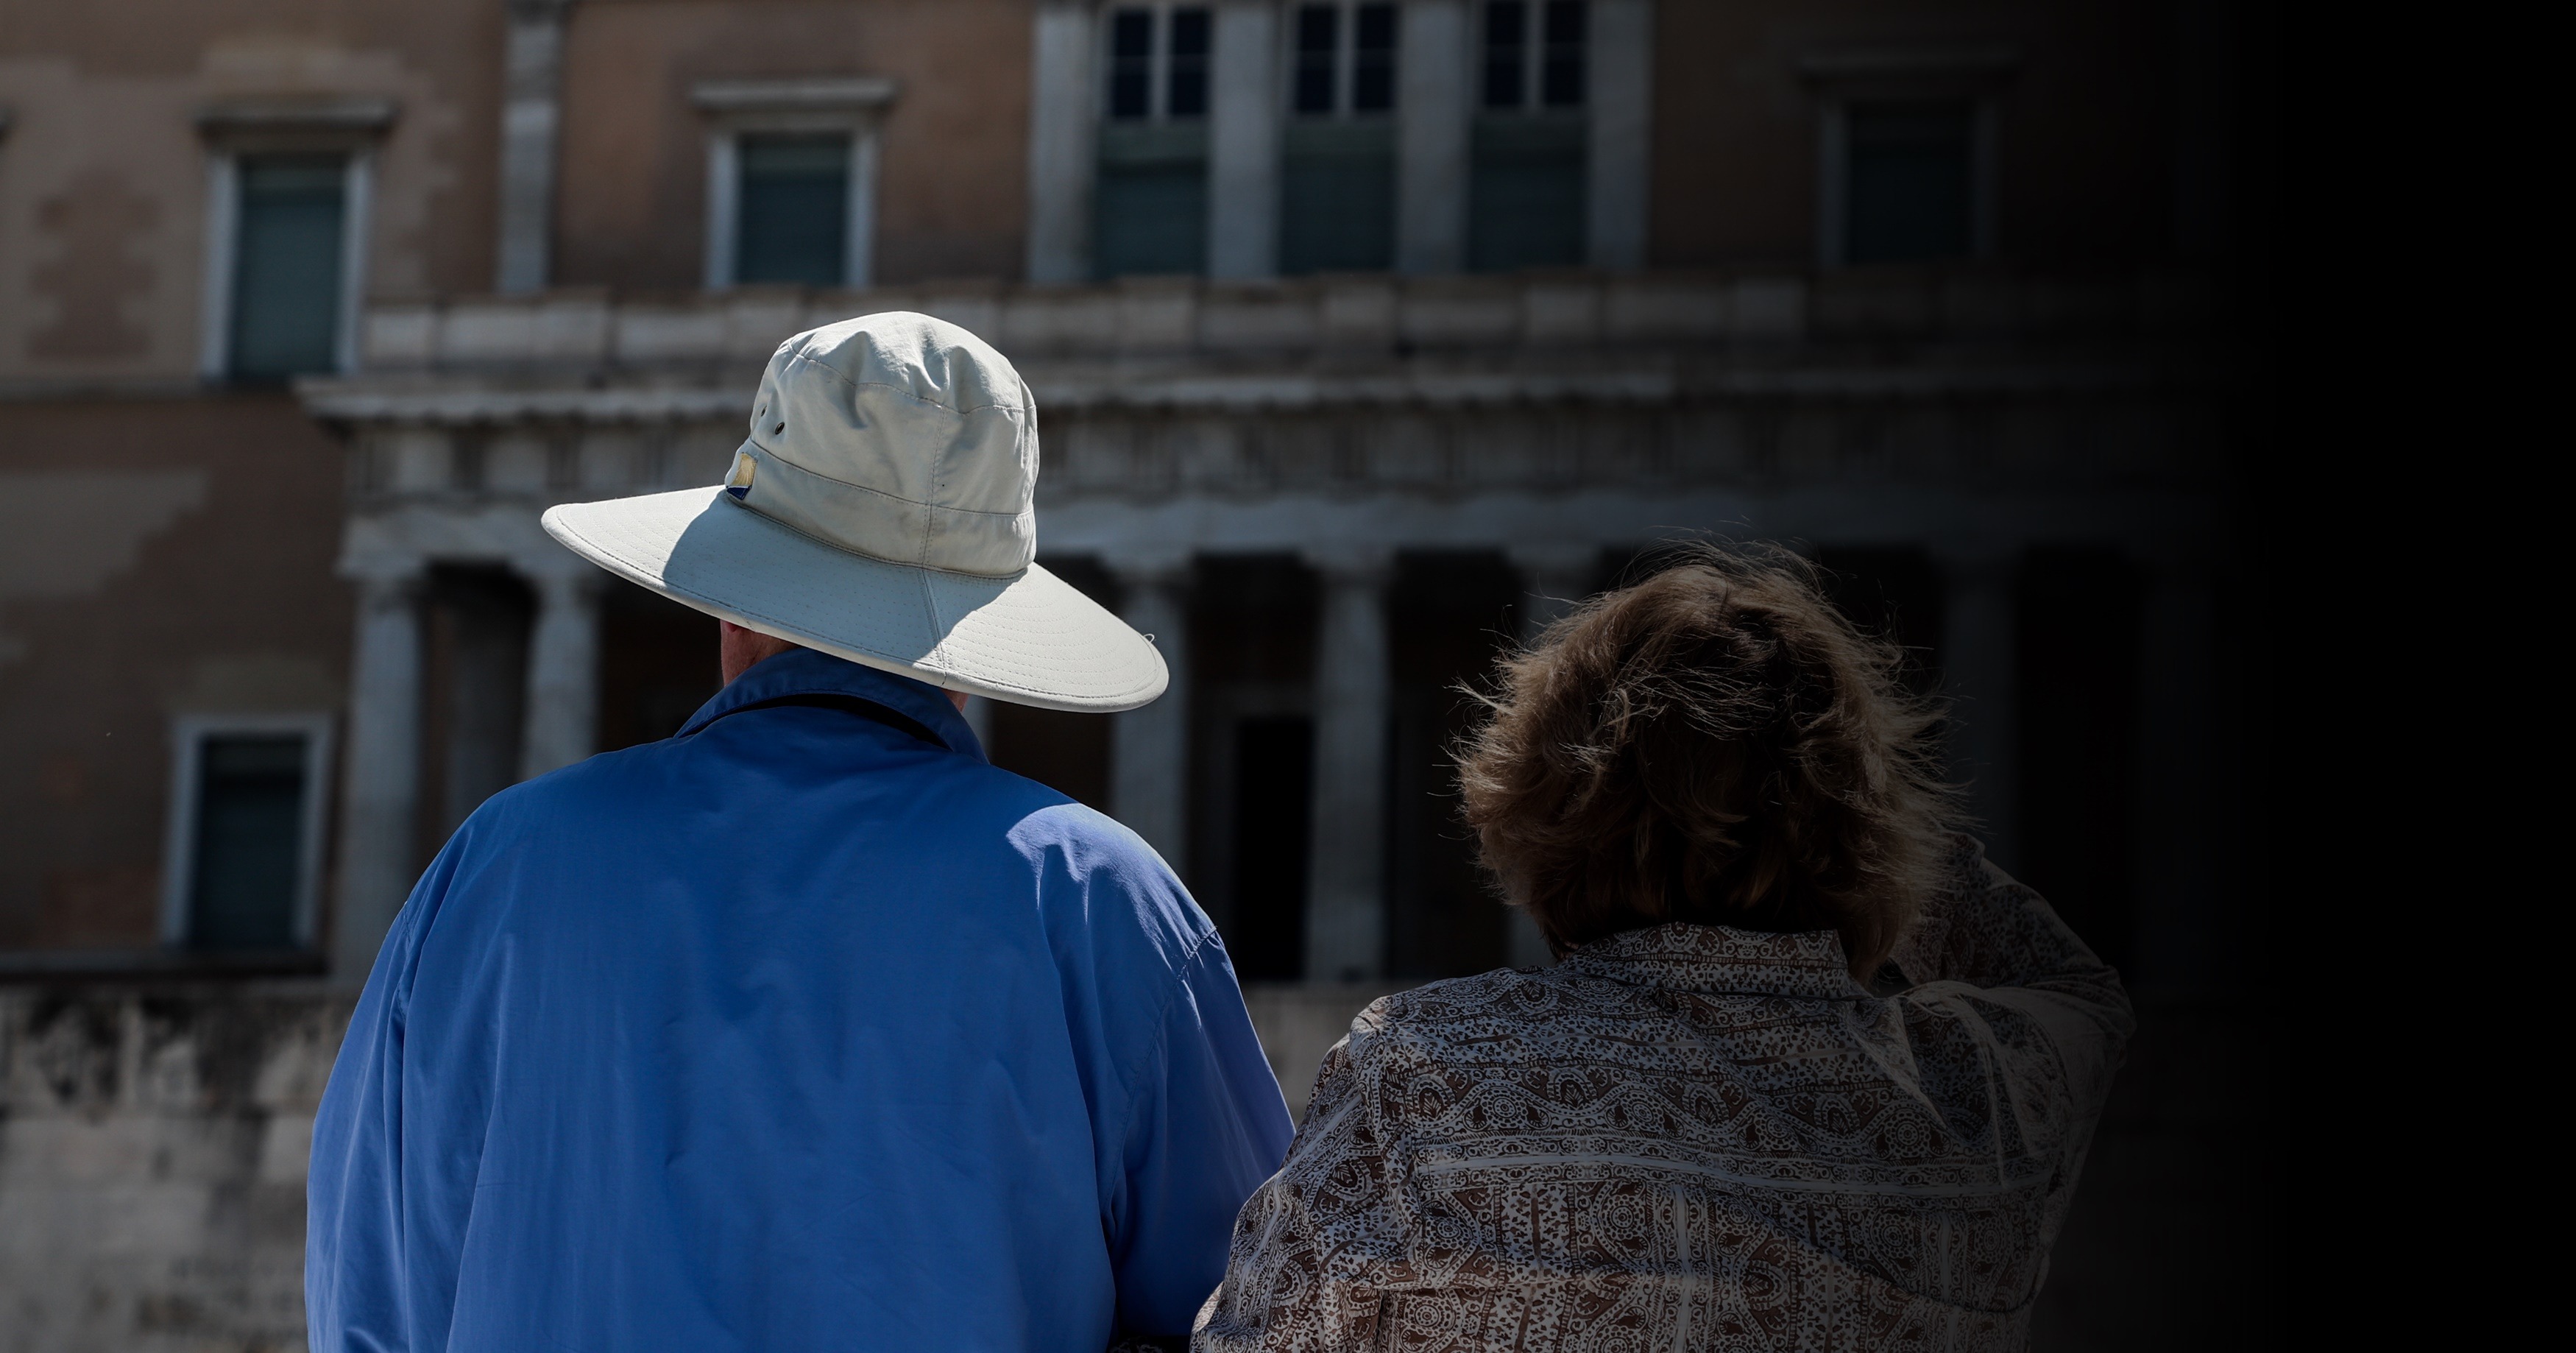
(1337, 169)
(286, 228)
(244, 847)
(1908, 151)
(286, 265)
(1548, 62)
(1345, 60)
(1150, 203)
(794, 203)
(1909, 182)
(791, 180)
(1140, 66)
(1526, 198)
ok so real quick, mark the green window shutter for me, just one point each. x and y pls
(249, 842)
(792, 210)
(1150, 200)
(286, 265)
(1525, 201)
(1910, 181)
(1337, 196)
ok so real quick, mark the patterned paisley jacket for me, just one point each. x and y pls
(1695, 1137)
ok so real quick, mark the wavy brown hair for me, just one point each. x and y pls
(1716, 744)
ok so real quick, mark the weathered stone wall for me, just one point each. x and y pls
(153, 1144)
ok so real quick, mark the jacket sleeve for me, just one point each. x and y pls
(355, 1294)
(1988, 931)
(1314, 1246)
(2016, 1027)
(1207, 1126)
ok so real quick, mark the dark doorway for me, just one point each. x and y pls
(1274, 780)
(479, 617)
(1252, 658)
(1068, 753)
(657, 664)
(1896, 592)
(1448, 616)
(2080, 613)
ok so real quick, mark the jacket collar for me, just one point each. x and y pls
(1716, 959)
(803, 671)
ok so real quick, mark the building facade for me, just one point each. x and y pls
(1366, 338)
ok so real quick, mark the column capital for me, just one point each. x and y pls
(387, 582)
(559, 582)
(1545, 559)
(2177, 560)
(1348, 565)
(1972, 560)
(1150, 566)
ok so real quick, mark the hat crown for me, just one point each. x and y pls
(900, 437)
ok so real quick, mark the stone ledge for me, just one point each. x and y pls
(1356, 315)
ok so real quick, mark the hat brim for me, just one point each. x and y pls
(1029, 638)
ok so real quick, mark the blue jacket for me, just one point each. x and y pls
(804, 1029)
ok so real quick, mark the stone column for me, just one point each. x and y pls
(1149, 747)
(1980, 669)
(1554, 580)
(1434, 100)
(1243, 142)
(1620, 90)
(1346, 872)
(380, 777)
(530, 114)
(2182, 803)
(1064, 108)
(562, 707)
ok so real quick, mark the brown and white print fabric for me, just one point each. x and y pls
(1695, 1138)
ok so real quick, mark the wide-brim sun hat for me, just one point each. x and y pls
(882, 510)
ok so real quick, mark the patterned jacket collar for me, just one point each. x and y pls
(1721, 960)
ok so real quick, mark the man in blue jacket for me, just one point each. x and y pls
(807, 1028)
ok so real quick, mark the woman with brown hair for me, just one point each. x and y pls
(1812, 1073)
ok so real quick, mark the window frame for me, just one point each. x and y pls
(1158, 62)
(1533, 64)
(854, 107)
(1841, 80)
(1346, 63)
(189, 734)
(350, 129)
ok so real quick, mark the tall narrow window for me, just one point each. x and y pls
(1909, 181)
(245, 814)
(1319, 47)
(250, 818)
(1506, 53)
(1131, 64)
(1337, 156)
(1186, 75)
(1526, 195)
(1373, 59)
(289, 221)
(1150, 194)
(794, 205)
(1561, 55)
(791, 179)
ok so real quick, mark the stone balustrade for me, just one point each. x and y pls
(1188, 318)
